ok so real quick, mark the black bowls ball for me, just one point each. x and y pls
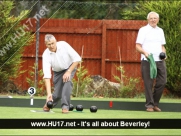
(162, 55)
(50, 104)
(93, 109)
(71, 107)
(79, 108)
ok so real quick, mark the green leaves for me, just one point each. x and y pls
(82, 81)
(40, 90)
(128, 86)
(13, 38)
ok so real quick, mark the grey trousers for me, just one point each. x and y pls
(62, 91)
(153, 88)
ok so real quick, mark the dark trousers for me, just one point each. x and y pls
(62, 91)
(153, 87)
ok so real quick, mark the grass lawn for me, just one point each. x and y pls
(25, 113)
(22, 113)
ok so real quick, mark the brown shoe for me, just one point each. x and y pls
(45, 108)
(156, 109)
(149, 109)
(65, 111)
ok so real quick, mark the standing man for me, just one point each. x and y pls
(151, 40)
(63, 60)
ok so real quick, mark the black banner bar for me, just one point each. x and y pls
(90, 123)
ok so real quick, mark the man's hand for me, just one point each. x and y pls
(49, 97)
(66, 76)
(140, 49)
(146, 54)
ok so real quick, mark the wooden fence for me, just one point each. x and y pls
(99, 39)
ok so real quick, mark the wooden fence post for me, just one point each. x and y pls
(103, 57)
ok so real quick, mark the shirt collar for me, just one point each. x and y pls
(150, 27)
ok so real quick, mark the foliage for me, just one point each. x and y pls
(170, 21)
(31, 80)
(13, 37)
(99, 9)
(128, 86)
(81, 9)
(82, 81)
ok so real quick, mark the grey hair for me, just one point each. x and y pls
(49, 37)
(152, 12)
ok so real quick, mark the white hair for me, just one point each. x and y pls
(152, 12)
(49, 37)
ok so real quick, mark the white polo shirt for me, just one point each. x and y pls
(59, 60)
(151, 40)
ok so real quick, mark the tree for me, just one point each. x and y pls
(14, 36)
(87, 9)
(76, 9)
(170, 21)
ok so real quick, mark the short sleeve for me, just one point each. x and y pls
(140, 36)
(46, 66)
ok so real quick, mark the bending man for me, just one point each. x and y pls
(63, 60)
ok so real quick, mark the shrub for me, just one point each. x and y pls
(13, 38)
(82, 81)
(31, 81)
(128, 86)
